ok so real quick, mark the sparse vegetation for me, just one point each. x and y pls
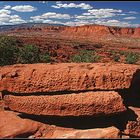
(85, 56)
(10, 53)
(116, 58)
(45, 58)
(132, 58)
(29, 54)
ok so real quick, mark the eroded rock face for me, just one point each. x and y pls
(133, 128)
(110, 132)
(81, 104)
(12, 126)
(97, 30)
(31, 78)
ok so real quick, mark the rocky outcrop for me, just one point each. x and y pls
(33, 78)
(12, 126)
(82, 104)
(137, 32)
(85, 30)
(110, 132)
(101, 30)
(69, 91)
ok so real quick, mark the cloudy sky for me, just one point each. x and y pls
(70, 13)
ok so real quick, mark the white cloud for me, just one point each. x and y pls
(50, 15)
(52, 22)
(16, 21)
(4, 11)
(7, 19)
(72, 5)
(7, 7)
(99, 14)
(103, 13)
(104, 10)
(85, 17)
(133, 12)
(24, 8)
(43, 2)
(129, 18)
(55, 15)
(114, 23)
(10, 20)
(121, 14)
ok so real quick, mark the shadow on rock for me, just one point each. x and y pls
(86, 122)
(131, 96)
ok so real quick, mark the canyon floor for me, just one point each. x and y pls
(64, 99)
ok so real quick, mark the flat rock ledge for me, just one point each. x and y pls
(99, 103)
(32, 78)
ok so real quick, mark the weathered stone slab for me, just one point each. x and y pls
(29, 78)
(81, 104)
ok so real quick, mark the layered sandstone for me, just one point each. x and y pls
(33, 78)
(81, 104)
(84, 30)
(101, 30)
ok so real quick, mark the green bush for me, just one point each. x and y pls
(29, 54)
(131, 58)
(8, 50)
(10, 53)
(45, 58)
(85, 56)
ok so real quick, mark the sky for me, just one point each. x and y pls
(71, 13)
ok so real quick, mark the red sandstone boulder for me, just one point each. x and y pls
(110, 132)
(12, 126)
(29, 78)
(81, 104)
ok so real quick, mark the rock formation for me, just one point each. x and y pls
(69, 91)
(12, 126)
(33, 78)
(82, 104)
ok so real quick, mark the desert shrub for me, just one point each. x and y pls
(116, 58)
(29, 54)
(45, 58)
(8, 50)
(10, 53)
(85, 56)
(131, 58)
